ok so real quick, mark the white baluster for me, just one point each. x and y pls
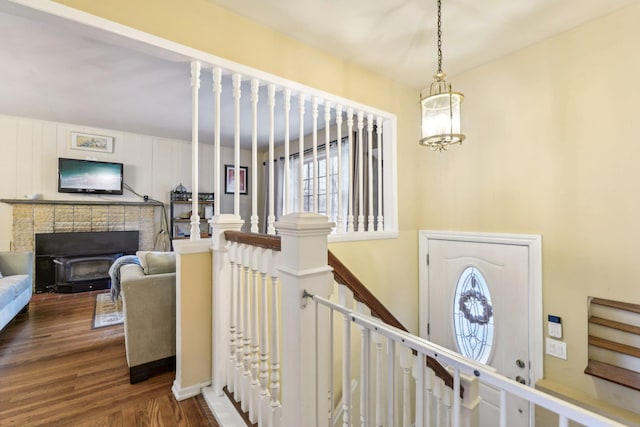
(231, 384)
(239, 367)
(265, 257)
(446, 400)
(391, 381)
(287, 173)
(301, 153)
(437, 394)
(346, 360)
(314, 116)
(237, 80)
(455, 396)
(272, 216)
(365, 370)
(217, 92)
(420, 362)
(195, 86)
(331, 358)
(370, 223)
(429, 399)
(274, 420)
(246, 322)
(350, 227)
(360, 171)
(255, 85)
(222, 294)
(562, 421)
(379, 141)
(327, 147)
(254, 401)
(379, 340)
(503, 408)
(406, 359)
(339, 221)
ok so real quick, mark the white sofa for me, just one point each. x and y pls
(15, 284)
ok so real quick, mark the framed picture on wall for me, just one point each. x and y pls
(230, 179)
(89, 142)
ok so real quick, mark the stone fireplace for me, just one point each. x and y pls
(31, 217)
(39, 216)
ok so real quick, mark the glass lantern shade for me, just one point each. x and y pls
(440, 113)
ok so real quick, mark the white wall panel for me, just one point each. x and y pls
(24, 151)
(8, 166)
(154, 166)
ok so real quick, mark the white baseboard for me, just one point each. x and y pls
(182, 393)
(222, 409)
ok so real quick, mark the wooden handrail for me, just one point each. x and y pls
(361, 293)
(265, 241)
(345, 277)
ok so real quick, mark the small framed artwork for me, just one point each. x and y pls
(230, 179)
(89, 142)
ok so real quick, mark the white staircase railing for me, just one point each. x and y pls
(291, 351)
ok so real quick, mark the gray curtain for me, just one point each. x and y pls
(278, 183)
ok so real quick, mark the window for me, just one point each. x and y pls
(308, 181)
(473, 316)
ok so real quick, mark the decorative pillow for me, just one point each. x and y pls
(153, 262)
(161, 262)
(142, 256)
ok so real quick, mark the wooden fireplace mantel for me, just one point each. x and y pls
(76, 202)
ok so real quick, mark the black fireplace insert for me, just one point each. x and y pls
(78, 262)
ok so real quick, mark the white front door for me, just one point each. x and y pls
(477, 303)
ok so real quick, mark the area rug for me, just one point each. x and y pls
(107, 312)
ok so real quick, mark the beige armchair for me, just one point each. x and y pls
(149, 305)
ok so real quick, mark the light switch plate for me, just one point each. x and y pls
(555, 330)
(556, 348)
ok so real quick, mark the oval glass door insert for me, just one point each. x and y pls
(473, 316)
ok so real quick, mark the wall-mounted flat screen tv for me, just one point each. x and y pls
(89, 176)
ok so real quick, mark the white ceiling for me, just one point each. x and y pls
(53, 69)
(397, 38)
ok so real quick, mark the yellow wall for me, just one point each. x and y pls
(553, 150)
(195, 317)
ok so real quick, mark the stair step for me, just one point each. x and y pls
(614, 346)
(238, 406)
(615, 325)
(614, 374)
(635, 308)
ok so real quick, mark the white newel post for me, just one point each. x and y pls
(303, 267)
(221, 296)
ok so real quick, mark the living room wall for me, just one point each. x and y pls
(153, 166)
(552, 150)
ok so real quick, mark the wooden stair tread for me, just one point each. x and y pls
(634, 308)
(621, 376)
(615, 325)
(614, 346)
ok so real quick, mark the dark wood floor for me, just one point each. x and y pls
(57, 371)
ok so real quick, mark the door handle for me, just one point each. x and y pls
(520, 364)
(521, 380)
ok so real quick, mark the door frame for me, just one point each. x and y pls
(534, 244)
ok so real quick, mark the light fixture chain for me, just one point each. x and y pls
(439, 37)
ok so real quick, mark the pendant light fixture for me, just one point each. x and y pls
(440, 110)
